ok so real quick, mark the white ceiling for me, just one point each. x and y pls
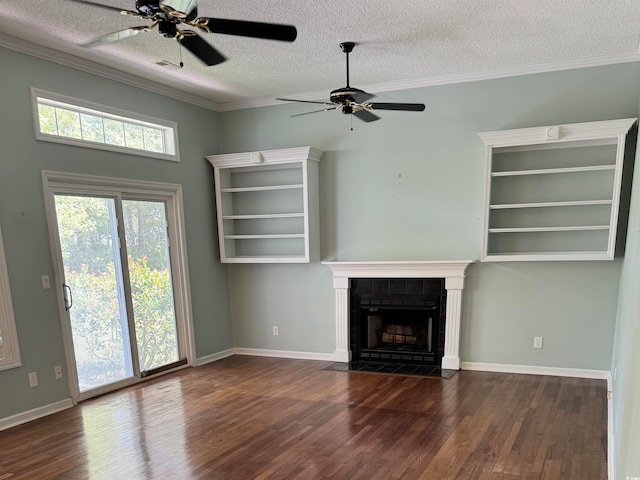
(401, 44)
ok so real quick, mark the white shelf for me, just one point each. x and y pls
(550, 204)
(263, 188)
(258, 237)
(545, 256)
(264, 215)
(267, 205)
(271, 259)
(549, 229)
(550, 171)
(553, 193)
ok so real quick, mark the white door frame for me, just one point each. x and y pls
(60, 182)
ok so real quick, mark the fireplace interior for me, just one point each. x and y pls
(397, 320)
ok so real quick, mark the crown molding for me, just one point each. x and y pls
(573, 132)
(49, 54)
(265, 157)
(396, 85)
(68, 60)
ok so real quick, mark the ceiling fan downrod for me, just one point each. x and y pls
(347, 47)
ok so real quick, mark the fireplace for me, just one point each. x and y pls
(451, 273)
(397, 320)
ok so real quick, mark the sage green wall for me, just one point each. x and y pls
(26, 239)
(411, 187)
(625, 364)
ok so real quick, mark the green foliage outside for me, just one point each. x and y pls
(93, 128)
(98, 317)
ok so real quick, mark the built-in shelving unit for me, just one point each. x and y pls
(267, 205)
(553, 193)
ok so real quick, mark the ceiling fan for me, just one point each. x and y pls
(167, 15)
(354, 101)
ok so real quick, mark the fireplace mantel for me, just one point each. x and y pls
(452, 271)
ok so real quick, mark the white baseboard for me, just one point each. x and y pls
(258, 352)
(214, 357)
(536, 370)
(24, 417)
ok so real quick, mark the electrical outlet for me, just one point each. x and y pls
(275, 330)
(58, 372)
(33, 379)
(537, 342)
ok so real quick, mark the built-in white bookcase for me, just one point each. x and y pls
(267, 205)
(553, 193)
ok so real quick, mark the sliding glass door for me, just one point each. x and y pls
(117, 288)
(150, 277)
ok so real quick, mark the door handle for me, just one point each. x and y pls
(68, 299)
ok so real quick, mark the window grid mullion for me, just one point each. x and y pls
(159, 144)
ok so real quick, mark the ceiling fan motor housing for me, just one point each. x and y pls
(148, 8)
(345, 96)
(171, 10)
(167, 29)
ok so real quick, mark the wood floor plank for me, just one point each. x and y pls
(245, 418)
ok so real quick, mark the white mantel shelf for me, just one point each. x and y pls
(452, 271)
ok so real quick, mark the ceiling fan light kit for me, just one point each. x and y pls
(353, 101)
(167, 15)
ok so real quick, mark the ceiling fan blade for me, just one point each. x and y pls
(109, 7)
(116, 36)
(269, 31)
(361, 97)
(316, 111)
(366, 115)
(405, 107)
(200, 48)
(303, 101)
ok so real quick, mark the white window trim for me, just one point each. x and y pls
(171, 128)
(11, 352)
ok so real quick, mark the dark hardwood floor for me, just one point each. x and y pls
(248, 418)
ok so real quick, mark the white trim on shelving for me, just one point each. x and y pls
(302, 247)
(551, 171)
(576, 203)
(572, 228)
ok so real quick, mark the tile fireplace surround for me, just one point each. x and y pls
(452, 271)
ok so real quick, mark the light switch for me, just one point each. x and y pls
(46, 284)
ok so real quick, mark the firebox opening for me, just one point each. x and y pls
(398, 320)
(399, 334)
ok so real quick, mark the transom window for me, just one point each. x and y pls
(71, 121)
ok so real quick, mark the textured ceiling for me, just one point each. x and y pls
(401, 44)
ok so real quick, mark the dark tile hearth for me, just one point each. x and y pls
(394, 368)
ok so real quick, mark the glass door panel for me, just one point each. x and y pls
(145, 227)
(94, 291)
